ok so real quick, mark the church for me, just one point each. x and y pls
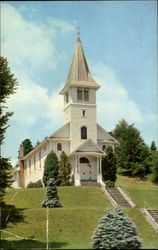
(80, 137)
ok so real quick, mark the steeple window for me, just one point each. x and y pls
(79, 95)
(83, 95)
(83, 133)
(86, 95)
(67, 97)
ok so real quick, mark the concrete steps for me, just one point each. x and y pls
(90, 183)
(151, 216)
(154, 214)
(117, 197)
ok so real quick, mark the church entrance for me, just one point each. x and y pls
(86, 170)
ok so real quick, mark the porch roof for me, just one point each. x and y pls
(88, 147)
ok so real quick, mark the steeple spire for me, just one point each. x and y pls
(78, 32)
(79, 74)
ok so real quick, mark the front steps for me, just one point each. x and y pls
(117, 197)
(151, 216)
(90, 183)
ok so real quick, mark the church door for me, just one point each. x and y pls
(85, 169)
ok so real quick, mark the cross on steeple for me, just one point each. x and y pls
(78, 31)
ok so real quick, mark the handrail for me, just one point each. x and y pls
(125, 190)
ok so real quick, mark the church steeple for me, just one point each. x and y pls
(79, 74)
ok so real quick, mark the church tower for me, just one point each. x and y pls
(80, 99)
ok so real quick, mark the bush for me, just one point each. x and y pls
(115, 231)
(37, 184)
(50, 167)
(109, 166)
(110, 183)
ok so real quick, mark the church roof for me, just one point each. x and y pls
(88, 147)
(63, 132)
(79, 74)
(104, 136)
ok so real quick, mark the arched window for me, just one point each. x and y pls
(103, 147)
(59, 147)
(84, 133)
(84, 160)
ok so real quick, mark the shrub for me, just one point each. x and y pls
(109, 166)
(109, 183)
(64, 170)
(50, 167)
(37, 184)
(115, 231)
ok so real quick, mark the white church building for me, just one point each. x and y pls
(81, 137)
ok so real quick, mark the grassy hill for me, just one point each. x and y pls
(71, 226)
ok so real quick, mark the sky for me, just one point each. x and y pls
(119, 39)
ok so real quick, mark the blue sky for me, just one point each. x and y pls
(120, 41)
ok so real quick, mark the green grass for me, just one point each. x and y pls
(143, 193)
(71, 226)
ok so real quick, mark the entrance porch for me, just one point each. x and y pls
(87, 168)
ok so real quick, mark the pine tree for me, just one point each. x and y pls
(52, 198)
(153, 146)
(154, 175)
(8, 85)
(115, 231)
(27, 146)
(50, 167)
(109, 167)
(133, 155)
(64, 170)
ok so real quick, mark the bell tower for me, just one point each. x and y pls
(80, 99)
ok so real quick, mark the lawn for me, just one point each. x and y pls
(71, 226)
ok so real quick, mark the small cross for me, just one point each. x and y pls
(78, 29)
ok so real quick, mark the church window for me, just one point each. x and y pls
(40, 159)
(59, 147)
(103, 147)
(79, 94)
(30, 166)
(84, 133)
(34, 159)
(86, 95)
(84, 160)
(67, 97)
(83, 112)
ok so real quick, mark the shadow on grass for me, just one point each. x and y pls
(30, 245)
(11, 214)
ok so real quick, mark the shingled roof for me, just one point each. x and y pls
(79, 74)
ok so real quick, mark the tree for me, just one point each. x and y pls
(133, 155)
(64, 170)
(109, 167)
(8, 85)
(115, 231)
(50, 167)
(27, 146)
(154, 175)
(52, 198)
(153, 146)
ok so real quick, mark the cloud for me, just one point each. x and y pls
(113, 102)
(30, 46)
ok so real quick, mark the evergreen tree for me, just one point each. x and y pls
(153, 146)
(27, 146)
(52, 198)
(50, 167)
(64, 170)
(133, 156)
(109, 167)
(115, 231)
(154, 175)
(8, 85)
